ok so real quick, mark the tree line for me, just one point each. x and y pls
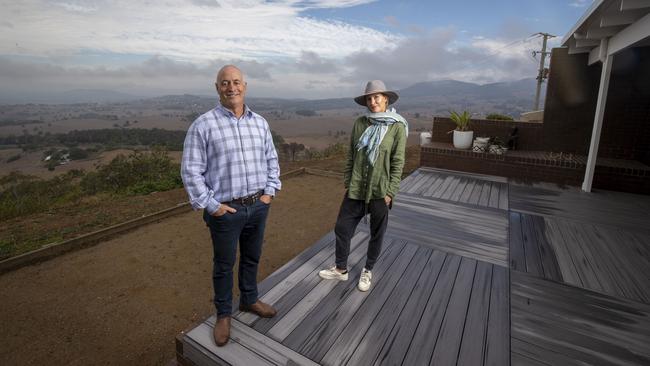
(172, 140)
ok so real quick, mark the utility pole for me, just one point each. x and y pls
(542, 74)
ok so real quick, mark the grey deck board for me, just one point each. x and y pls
(579, 324)
(594, 256)
(443, 187)
(497, 348)
(547, 256)
(416, 183)
(280, 274)
(516, 241)
(458, 191)
(451, 331)
(467, 191)
(434, 186)
(568, 268)
(530, 354)
(338, 322)
(484, 199)
(303, 284)
(453, 185)
(341, 301)
(474, 232)
(504, 198)
(472, 351)
(246, 347)
(623, 210)
(476, 193)
(420, 349)
(475, 271)
(485, 177)
(394, 325)
(531, 249)
(406, 183)
(347, 342)
(302, 302)
(318, 261)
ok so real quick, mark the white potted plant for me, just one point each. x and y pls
(462, 134)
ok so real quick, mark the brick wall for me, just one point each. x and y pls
(529, 133)
(535, 168)
(626, 124)
(570, 106)
(501, 165)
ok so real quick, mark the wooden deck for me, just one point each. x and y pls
(475, 271)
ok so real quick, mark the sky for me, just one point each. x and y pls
(286, 48)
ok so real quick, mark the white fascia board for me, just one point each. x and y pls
(594, 6)
(573, 49)
(599, 53)
(587, 43)
(600, 33)
(634, 4)
(622, 17)
(594, 56)
(634, 33)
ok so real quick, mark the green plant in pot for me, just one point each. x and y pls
(462, 134)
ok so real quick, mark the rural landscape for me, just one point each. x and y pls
(58, 155)
(69, 169)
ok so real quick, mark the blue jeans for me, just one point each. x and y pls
(246, 226)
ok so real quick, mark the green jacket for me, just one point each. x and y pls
(365, 182)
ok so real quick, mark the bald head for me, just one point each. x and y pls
(231, 88)
(229, 69)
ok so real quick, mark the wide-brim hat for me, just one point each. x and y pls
(374, 87)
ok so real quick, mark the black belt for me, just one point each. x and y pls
(247, 200)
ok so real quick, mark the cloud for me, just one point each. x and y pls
(190, 30)
(311, 62)
(438, 55)
(156, 75)
(177, 46)
(580, 3)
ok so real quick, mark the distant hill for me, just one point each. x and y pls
(69, 97)
(431, 97)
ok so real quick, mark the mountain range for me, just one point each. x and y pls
(431, 96)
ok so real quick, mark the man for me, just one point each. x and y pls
(230, 170)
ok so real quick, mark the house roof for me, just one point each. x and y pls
(609, 26)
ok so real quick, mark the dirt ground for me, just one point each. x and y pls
(123, 301)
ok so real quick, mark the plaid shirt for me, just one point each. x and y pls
(226, 158)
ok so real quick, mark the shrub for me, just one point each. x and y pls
(461, 120)
(78, 154)
(499, 117)
(306, 112)
(137, 173)
(22, 194)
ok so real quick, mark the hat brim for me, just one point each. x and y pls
(392, 97)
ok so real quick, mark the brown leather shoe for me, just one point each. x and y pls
(259, 308)
(221, 331)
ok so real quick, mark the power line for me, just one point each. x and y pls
(543, 71)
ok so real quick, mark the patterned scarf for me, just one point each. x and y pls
(374, 134)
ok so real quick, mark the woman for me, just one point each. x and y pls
(372, 175)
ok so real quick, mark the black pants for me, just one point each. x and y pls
(351, 212)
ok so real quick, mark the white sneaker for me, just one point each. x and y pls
(364, 280)
(333, 274)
